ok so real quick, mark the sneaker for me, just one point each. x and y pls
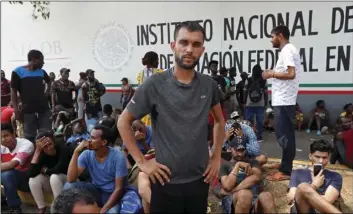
(318, 133)
(308, 131)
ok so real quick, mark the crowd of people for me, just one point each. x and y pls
(179, 134)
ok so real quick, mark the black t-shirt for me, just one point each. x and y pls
(57, 164)
(240, 89)
(63, 92)
(93, 92)
(222, 85)
(31, 86)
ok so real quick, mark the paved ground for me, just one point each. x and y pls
(271, 148)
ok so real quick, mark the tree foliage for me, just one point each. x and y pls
(40, 8)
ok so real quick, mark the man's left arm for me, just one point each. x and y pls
(253, 147)
(21, 157)
(116, 195)
(333, 191)
(218, 135)
(288, 61)
(120, 176)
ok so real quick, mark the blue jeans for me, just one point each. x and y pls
(259, 112)
(285, 134)
(100, 196)
(12, 181)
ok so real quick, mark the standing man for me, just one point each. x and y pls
(127, 92)
(179, 101)
(285, 86)
(30, 81)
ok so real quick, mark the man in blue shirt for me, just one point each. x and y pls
(309, 193)
(106, 166)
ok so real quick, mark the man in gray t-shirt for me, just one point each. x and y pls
(179, 101)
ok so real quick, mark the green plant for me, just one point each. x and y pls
(40, 8)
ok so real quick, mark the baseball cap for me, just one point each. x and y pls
(237, 143)
(64, 70)
(234, 114)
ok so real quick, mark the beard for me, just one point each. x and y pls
(179, 61)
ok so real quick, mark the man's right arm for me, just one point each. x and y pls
(138, 107)
(77, 164)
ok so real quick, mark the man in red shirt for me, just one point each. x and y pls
(343, 143)
(16, 155)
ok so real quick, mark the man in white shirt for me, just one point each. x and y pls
(285, 86)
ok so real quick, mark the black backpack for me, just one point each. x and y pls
(255, 91)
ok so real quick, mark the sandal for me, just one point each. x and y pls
(278, 176)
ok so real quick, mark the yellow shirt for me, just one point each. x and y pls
(141, 76)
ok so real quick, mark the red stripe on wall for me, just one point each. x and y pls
(324, 92)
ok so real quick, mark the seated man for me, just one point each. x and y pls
(309, 193)
(348, 111)
(75, 200)
(107, 119)
(79, 133)
(320, 116)
(106, 166)
(240, 179)
(250, 139)
(143, 136)
(48, 168)
(343, 143)
(15, 158)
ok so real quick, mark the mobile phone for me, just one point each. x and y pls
(317, 168)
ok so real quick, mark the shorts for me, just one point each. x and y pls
(228, 207)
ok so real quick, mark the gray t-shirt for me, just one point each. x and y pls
(179, 114)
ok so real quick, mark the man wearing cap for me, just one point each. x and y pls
(240, 178)
(92, 90)
(61, 95)
(127, 92)
(249, 138)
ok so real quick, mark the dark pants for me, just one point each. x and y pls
(12, 181)
(180, 198)
(285, 134)
(33, 122)
(259, 112)
(339, 154)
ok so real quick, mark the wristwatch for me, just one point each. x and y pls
(45, 171)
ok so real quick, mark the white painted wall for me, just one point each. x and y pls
(78, 33)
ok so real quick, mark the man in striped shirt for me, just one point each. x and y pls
(16, 155)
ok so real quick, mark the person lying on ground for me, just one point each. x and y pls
(240, 178)
(48, 168)
(315, 189)
(15, 159)
(249, 138)
(106, 166)
(319, 117)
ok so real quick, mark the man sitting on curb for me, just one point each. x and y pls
(240, 183)
(312, 194)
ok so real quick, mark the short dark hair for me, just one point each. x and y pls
(212, 62)
(106, 132)
(191, 26)
(320, 146)
(281, 29)
(223, 70)
(34, 54)
(345, 107)
(108, 109)
(149, 58)
(68, 198)
(7, 127)
(319, 102)
(46, 133)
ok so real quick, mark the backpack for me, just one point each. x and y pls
(255, 91)
(131, 201)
